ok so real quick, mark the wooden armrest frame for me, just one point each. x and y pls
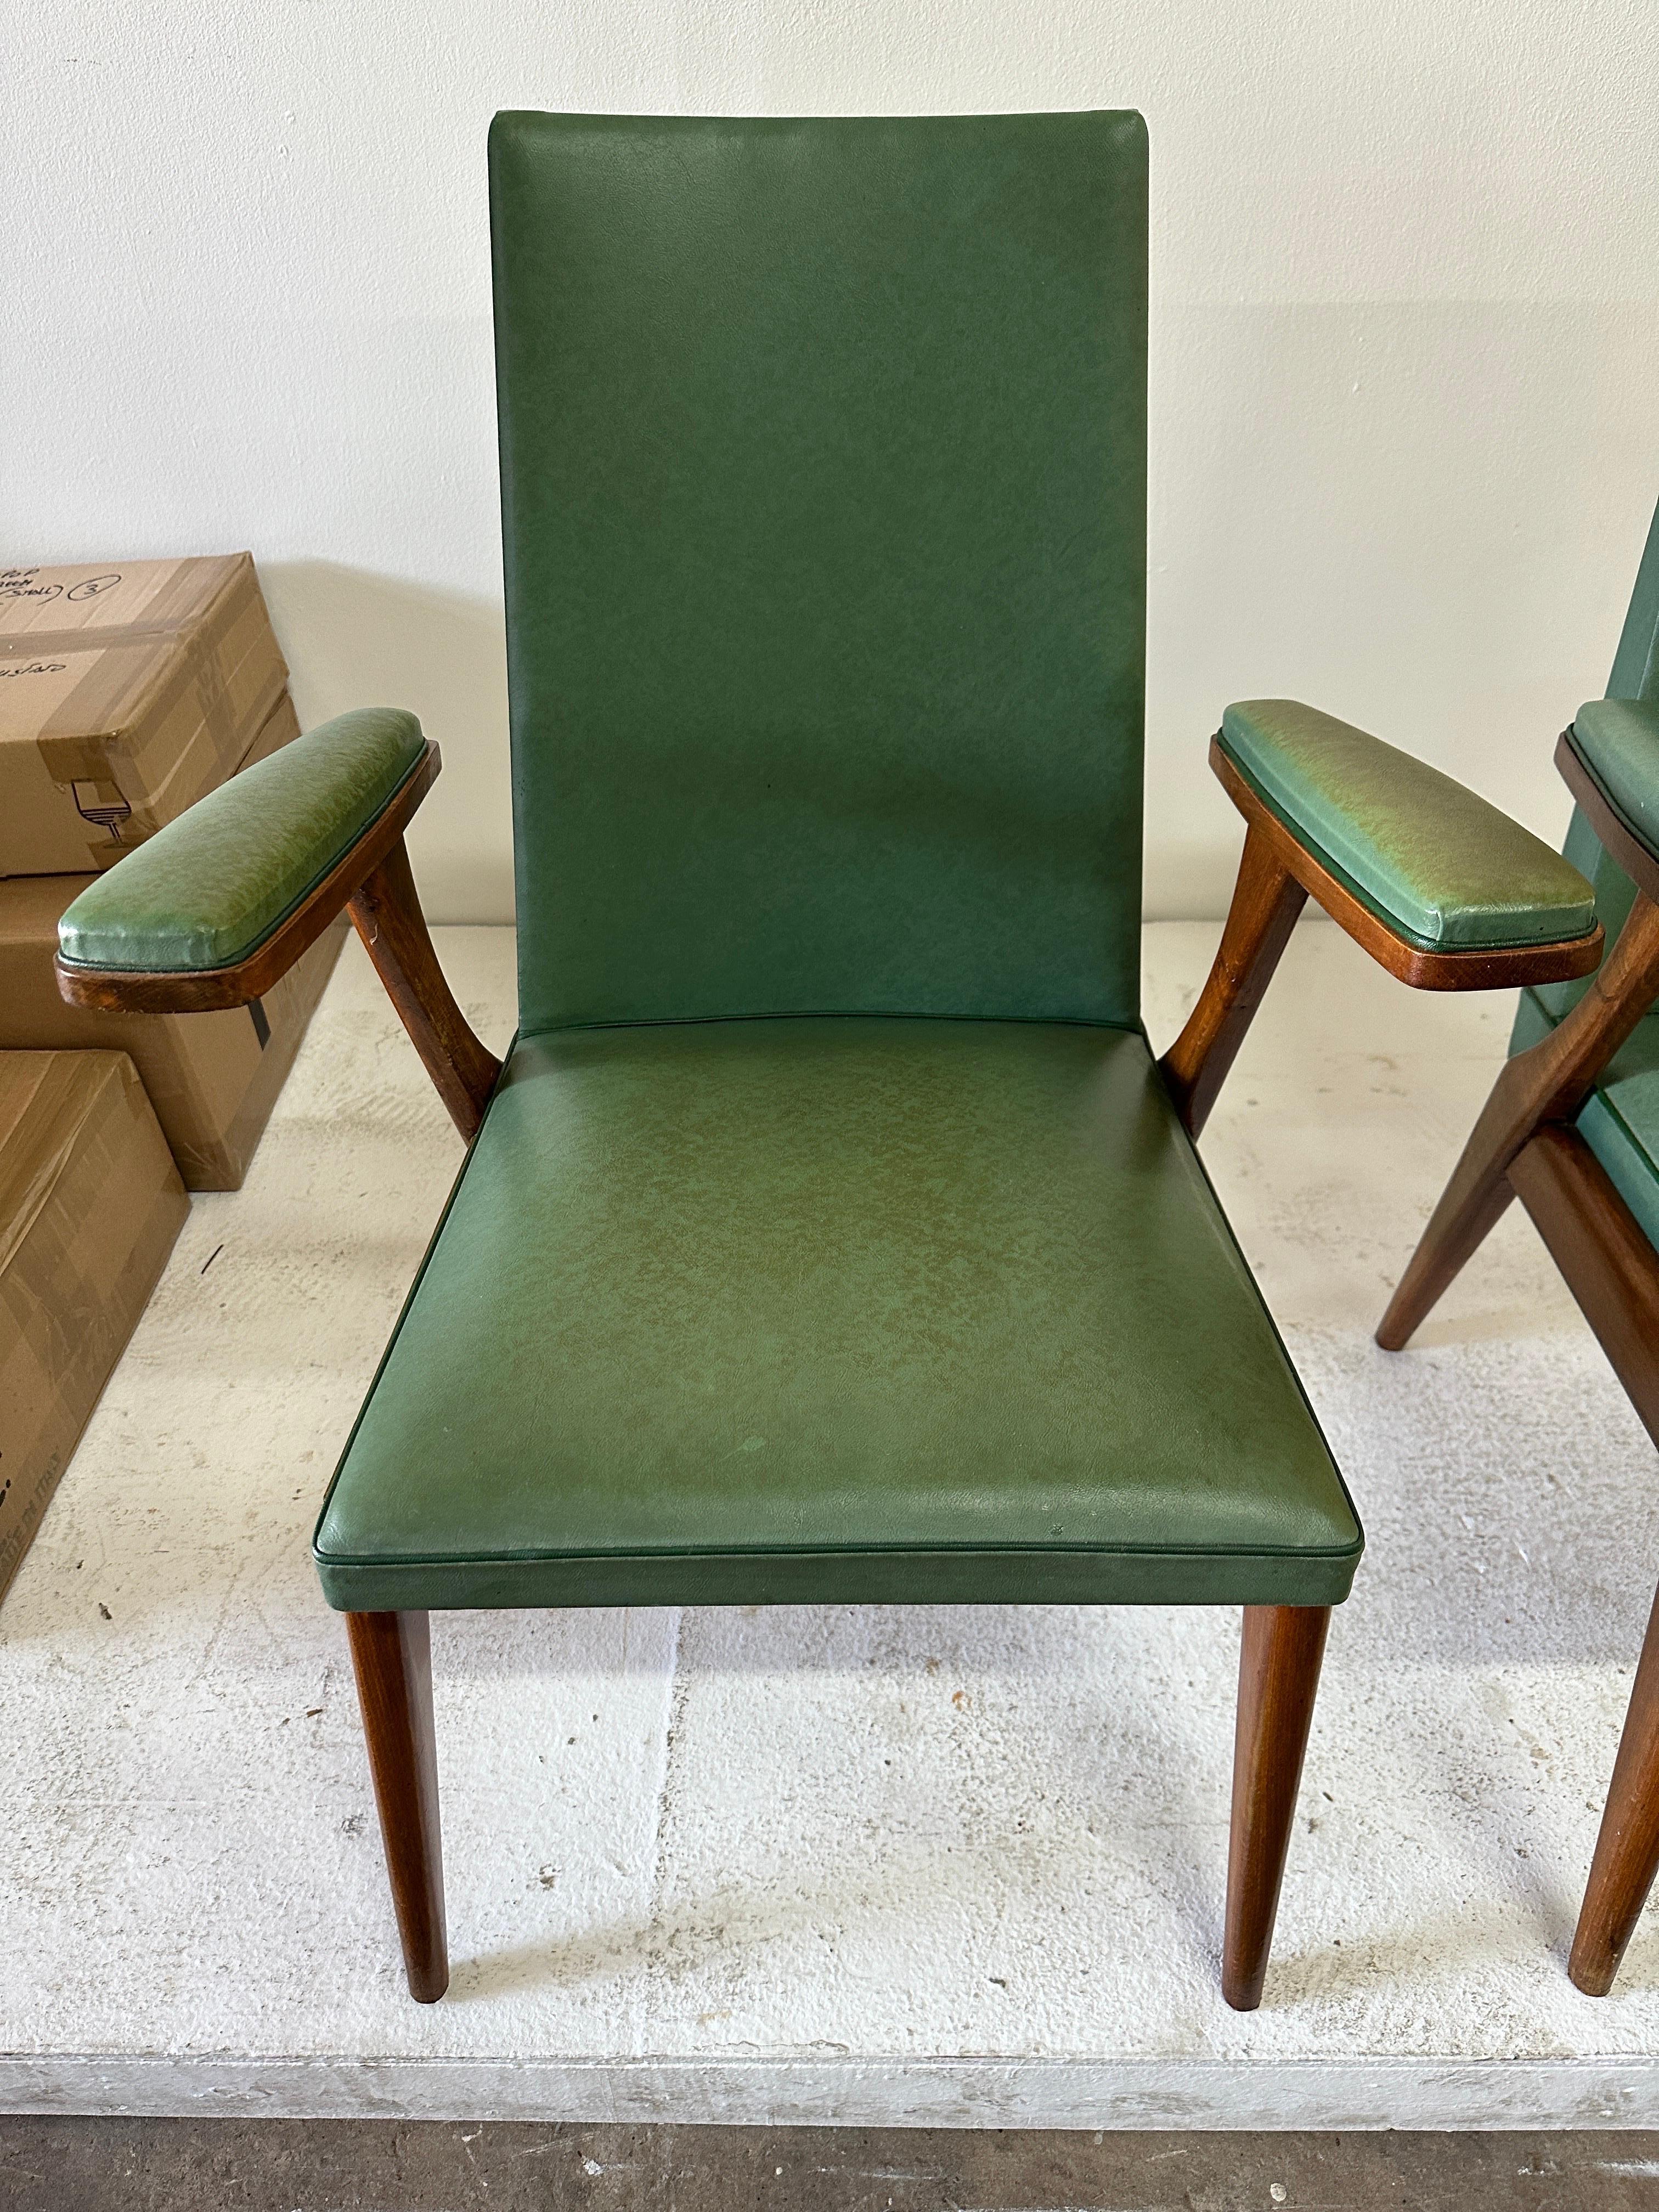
(371, 882)
(1277, 875)
(1543, 1089)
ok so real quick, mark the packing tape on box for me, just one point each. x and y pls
(71, 738)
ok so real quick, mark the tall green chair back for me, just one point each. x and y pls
(823, 487)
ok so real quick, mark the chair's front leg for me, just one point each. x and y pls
(1278, 1681)
(1627, 1848)
(1266, 900)
(392, 1653)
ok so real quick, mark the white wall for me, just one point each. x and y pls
(1405, 335)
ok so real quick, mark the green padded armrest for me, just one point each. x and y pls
(1618, 741)
(1431, 860)
(208, 889)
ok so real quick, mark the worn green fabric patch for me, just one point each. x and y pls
(1434, 858)
(206, 890)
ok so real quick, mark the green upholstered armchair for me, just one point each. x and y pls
(1571, 1128)
(830, 1233)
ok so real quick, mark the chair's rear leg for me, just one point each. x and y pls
(1278, 1681)
(1627, 1848)
(392, 1653)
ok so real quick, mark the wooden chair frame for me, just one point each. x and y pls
(1525, 1145)
(1282, 1646)
(371, 882)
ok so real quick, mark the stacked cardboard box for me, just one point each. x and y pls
(127, 692)
(90, 1202)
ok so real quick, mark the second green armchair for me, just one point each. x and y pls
(1571, 1129)
(831, 1232)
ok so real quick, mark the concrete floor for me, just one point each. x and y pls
(390, 2166)
(900, 1865)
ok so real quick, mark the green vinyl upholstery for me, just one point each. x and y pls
(209, 888)
(1619, 1120)
(1618, 741)
(830, 1236)
(823, 466)
(843, 1308)
(1635, 677)
(1432, 860)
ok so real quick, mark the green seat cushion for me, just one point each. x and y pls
(1618, 740)
(1619, 1120)
(833, 1310)
(209, 888)
(1436, 862)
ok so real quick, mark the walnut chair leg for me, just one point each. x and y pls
(392, 1653)
(1277, 1680)
(1470, 1206)
(1627, 1848)
(1266, 900)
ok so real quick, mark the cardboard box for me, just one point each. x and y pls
(212, 1079)
(126, 692)
(279, 727)
(90, 1203)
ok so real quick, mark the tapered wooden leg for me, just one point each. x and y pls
(1278, 1681)
(1627, 1848)
(1266, 900)
(392, 1653)
(1471, 1205)
(1549, 1083)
